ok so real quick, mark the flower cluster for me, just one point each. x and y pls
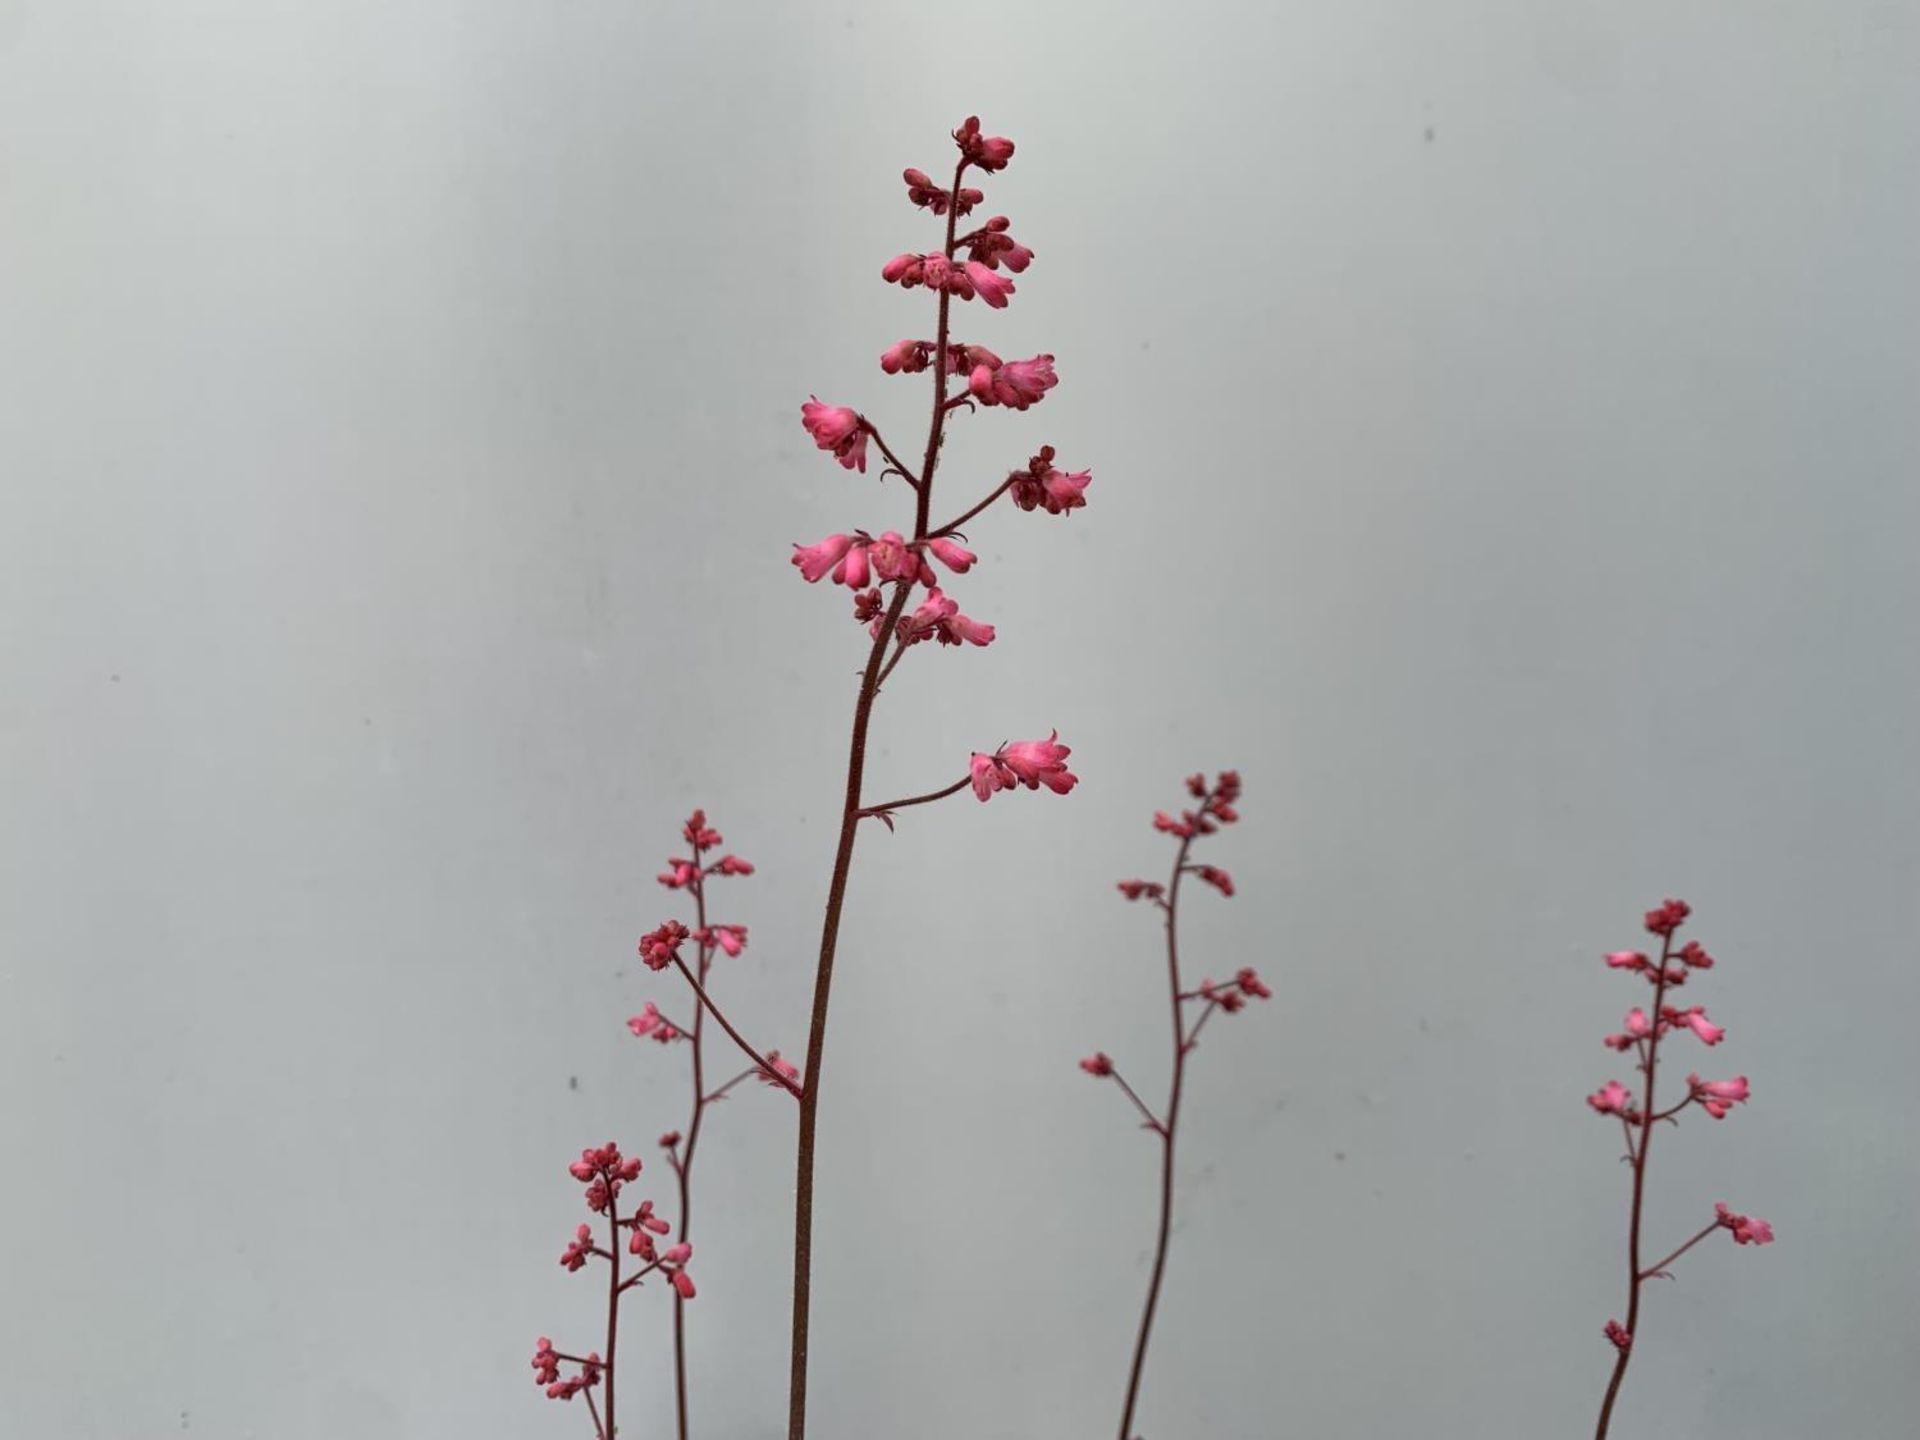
(1215, 805)
(1031, 763)
(973, 265)
(1642, 1035)
(606, 1172)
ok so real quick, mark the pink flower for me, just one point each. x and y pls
(956, 558)
(1747, 1229)
(1612, 1098)
(546, 1365)
(1098, 1064)
(733, 865)
(988, 775)
(1041, 486)
(852, 571)
(892, 558)
(1251, 984)
(1694, 954)
(1165, 822)
(1216, 877)
(989, 285)
(651, 1022)
(1040, 762)
(939, 617)
(679, 873)
(1618, 1334)
(1627, 960)
(660, 948)
(645, 1219)
(786, 1069)
(682, 1284)
(989, 152)
(670, 1139)
(574, 1257)
(730, 938)
(838, 428)
(816, 560)
(1718, 1097)
(906, 271)
(1638, 1026)
(1142, 889)
(1667, 917)
(1014, 383)
(906, 357)
(1696, 1020)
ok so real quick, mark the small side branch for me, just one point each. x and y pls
(727, 1025)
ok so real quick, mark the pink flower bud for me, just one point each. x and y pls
(1098, 1065)
(956, 558)
(1611, 1098)
(1697, 1021)
(1747, 1229)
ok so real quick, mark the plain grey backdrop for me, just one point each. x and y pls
(1502, 422)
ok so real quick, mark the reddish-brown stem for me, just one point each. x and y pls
(1193, 1035)
(613, 1305)
(721, 1093)
(683, 1166)
(1153, 1121)
(1636, 1275)
(837, 889)
(706, 1003)
(926, 799)
(954, 524)
(599, 1430)
(892, 459)
(1659, 1265)
(899, 654)
(1166, 1132)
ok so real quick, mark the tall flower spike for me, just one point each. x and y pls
(1214, 807)
(1645, 1032)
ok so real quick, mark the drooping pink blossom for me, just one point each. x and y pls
(988, 775)
(1041, 486)
(1612, 1098)
(682, 1284)
(955, 557)
(989, 152)
(1098, 1064)
(906, 357)
(1216, 877)
(645, 1219)
(816, 561)
(574, 1257)
(1696, 1020)
(651, 1022)
(1747, 1229)
(1040, 762)
(989, 285)
(893, 558)
(938, 618)
(1016, 384)
(838, 428)
(730, 938)
(1718, 1097)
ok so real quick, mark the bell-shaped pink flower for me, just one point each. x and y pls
(816, 560)
(956, 558)
(1627, 960)
(1718, 1097)
(1638, 1025)
(892, 558)
(1014, 383)
(1040, 762)
(1611, 1098)
(1747, 1229)
(1696, 1020)
(990, 286)
(838, 428)
(907, 357)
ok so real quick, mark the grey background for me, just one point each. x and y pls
(1502, 421)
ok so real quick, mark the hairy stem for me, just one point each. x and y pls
(837, 887)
